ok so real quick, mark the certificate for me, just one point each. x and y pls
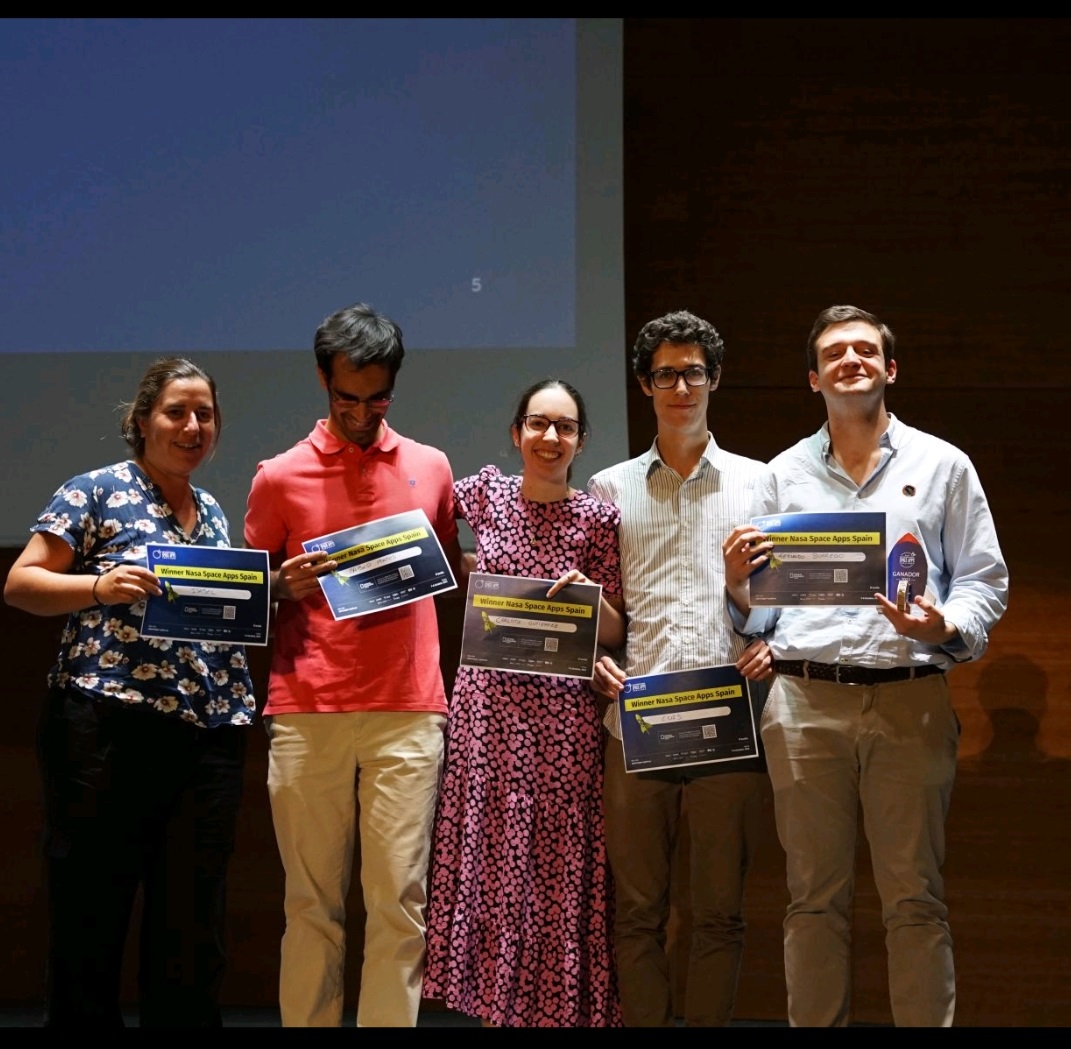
(687, 717)
(383, 564)
(821, 559)
(210, 593)
(511, 624)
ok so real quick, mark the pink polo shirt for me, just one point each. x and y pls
(384, 661)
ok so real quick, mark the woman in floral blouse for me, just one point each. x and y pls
(142, 740)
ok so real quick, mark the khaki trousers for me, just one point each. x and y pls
(395, 759)
(643, 817)
(890, 749)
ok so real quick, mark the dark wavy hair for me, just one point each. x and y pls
(153, 383)
(363, 335)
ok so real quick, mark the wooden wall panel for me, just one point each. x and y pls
(917, 168)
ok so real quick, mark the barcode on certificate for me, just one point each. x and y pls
(550, 644)
(229, 611)
(840, 575)
(710, 732)
(406, 572)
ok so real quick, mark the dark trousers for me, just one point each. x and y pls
(135, 798)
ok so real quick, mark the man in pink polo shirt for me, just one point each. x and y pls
(356, 700)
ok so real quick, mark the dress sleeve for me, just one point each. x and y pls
(470, 495)
(604, 566)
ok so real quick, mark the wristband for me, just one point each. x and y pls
(93, 593)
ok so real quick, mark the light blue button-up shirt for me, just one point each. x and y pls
(927, 488)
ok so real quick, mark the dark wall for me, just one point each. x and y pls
(915, 167)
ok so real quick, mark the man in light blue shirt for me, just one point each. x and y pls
(859, 713)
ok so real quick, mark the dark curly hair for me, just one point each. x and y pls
(680, 328)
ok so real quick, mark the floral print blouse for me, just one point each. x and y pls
(107, 516)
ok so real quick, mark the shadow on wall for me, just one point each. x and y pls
(1024, 716)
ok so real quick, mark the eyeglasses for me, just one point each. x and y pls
(564, 427)
(377, 402)
(667, 378)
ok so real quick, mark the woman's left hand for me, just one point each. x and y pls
(611, 609)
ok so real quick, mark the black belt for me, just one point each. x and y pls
(848, 675)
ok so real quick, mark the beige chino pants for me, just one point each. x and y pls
(891, 750)
(395, 759)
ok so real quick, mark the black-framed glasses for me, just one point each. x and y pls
(377, 402)
(667, 378)
(563, 427)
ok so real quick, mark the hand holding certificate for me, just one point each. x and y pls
(821, 559)
(511, 624)
(210, 593)
(383, 564)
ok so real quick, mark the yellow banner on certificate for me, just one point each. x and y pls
(208, 575)
(703, 695)
(524, 604)
(386, 542)
(826, 538)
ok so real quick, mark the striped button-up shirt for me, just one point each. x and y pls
(672, 572)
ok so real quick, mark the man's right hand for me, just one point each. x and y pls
(298, 577)
(608, 678)
(744, 550)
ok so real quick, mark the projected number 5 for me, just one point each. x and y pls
(477, 284)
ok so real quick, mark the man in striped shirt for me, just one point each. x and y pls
(678, 501)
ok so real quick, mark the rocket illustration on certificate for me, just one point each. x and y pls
(511, 624)
(383, 564)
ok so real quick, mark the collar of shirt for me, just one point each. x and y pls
(889, 442)
(712, 456)
(326, 443)
(154, 495)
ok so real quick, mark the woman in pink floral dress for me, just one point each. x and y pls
(520, 913)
